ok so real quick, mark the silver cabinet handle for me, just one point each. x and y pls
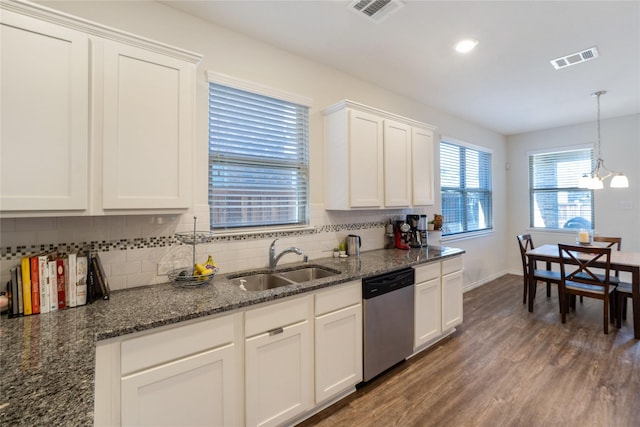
(276, 331)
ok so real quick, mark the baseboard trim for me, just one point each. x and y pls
(485, 280)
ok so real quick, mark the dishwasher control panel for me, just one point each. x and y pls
(388, 282)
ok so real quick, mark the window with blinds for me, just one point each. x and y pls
(465, 180)
(258, 159)
(555, 201)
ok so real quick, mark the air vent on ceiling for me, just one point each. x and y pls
(375, 10)
(575, 58)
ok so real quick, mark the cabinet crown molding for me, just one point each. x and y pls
(347, 103)
(95, 29)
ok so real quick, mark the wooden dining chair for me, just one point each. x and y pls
(580, 277)
(610, 242)
(526, 244)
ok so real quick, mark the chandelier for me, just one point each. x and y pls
(599, 173)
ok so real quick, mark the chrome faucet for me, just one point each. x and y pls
(273, 258)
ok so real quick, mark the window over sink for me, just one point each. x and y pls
(258, 155)
(555, 200)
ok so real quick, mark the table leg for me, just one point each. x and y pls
(635, 286)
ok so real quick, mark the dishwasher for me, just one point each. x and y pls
(388, 304)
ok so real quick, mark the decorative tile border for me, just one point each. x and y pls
(16, 252)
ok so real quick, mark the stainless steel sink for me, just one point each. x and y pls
(261, 281)
(307, 273)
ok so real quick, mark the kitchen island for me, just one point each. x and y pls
(48, 361)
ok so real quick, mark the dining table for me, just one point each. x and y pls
(620, 260)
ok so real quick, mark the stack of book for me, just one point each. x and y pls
(50, 281)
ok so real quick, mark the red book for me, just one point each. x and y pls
(61, 284)
(35, 285)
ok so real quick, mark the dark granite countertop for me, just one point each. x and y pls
(48, 361)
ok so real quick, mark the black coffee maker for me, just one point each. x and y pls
(415, 237)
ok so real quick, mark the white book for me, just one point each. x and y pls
(53, 285)
(71, 278)
(45, 287)
(81, 283)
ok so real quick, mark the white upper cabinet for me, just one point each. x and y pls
(397, 164)
(372, 161)
(422, 167)
(44, 140)
(353, 160)
(94, 121)
(147, 125)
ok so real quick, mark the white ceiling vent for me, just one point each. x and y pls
(375, 10)
(575, 58)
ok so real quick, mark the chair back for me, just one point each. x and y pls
(582, 259)
(526, 244)
(611, 241)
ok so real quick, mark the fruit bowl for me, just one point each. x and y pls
(185, 277)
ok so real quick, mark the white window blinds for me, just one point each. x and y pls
(258, 159)
(555, 201)
(465, 180)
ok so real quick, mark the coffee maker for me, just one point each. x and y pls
(422, 229)
(414, 237)
(401, 239)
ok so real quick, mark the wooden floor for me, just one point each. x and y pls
(508, 367)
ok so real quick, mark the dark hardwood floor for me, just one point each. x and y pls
(505, 366)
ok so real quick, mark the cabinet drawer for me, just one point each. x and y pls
(160, 347)
(451, 265)
(335, 299)
(427, 272)
(278, 315)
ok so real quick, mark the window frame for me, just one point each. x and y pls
(464, 191)
(533, 191)
(281, 95)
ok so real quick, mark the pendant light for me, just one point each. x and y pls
(600, 172)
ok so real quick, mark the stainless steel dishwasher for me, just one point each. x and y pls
(388, 320)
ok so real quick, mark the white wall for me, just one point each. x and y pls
(234, 54)
(616, 210)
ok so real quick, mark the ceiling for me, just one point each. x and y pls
(506, 84)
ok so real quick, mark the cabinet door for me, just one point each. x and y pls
(422, 166)
(338, 351)
(365, 160)
(451, 300)
(147, 129)
(44, 109)
(397, 164)
(428, 311)
(197, 391)
(278, 375)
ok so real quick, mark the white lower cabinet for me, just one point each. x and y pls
(428, 323)
(185, 375)
(451, 293)
(438, 300)
(338, 340)
(278, 362)
(268, 365)
(194, 391)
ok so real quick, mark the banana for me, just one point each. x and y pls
(201, 270)
(198, 269)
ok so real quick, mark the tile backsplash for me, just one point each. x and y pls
(138, 250)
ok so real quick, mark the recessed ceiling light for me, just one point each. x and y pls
(466, 45)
